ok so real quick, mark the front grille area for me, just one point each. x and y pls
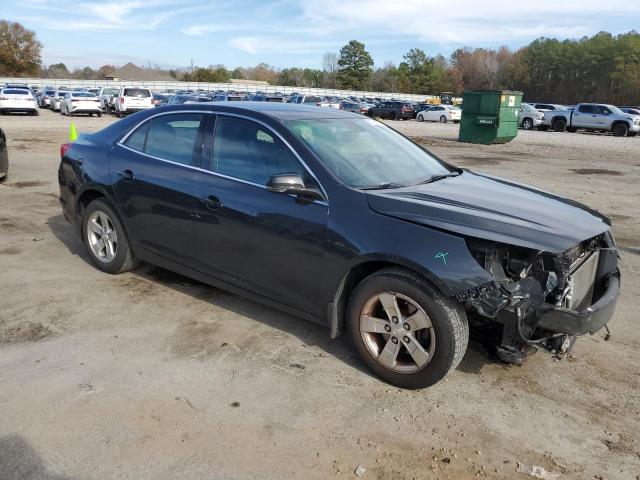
(582, 278)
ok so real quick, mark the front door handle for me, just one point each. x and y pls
(211, 202)
(127, 175)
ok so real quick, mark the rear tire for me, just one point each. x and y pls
(394, 116)
(620, 130)
(527, 124)
(99, 114)
(420, 118)
(443, 119)
(407, 353)
(632, 134)
(100, 223)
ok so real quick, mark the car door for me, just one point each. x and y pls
(603, 115)
(269, 243)
(153, 171)
(585, 116)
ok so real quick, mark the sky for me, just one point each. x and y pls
(286, 33)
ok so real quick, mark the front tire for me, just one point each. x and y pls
(407, 332)
(105, 238)
(443, 119)
(620, 130)
(420, 118)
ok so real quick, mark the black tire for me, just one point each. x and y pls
(35, 113)
(527, 124)
(420, 118)
(448, 320)
(572, 129)
(543, 128)
(559, 125)
(99, 114)
(118, 113)
(393, 116)
(443, 119)
(632, 134)
(620, 130)
(124, 260)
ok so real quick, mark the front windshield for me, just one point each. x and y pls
(615, 110)
(364, 153)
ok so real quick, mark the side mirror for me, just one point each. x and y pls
(292, 184)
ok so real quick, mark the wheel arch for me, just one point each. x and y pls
(618, 122)
(337, 309)
(88, 195)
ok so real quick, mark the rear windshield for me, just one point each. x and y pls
(234, 99)
(83, 94)
(110, 91)
(312, 100)
(49, 92)
(136, 92)
(15, 91)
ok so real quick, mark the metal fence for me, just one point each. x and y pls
(162, 86)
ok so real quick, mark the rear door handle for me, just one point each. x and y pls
(127, 175)
(211, 202)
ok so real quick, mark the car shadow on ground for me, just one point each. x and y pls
(20, 461)
(308, 333)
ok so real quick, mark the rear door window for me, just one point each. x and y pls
(586, 109)
(137, 138)
(175, 137)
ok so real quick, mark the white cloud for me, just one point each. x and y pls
(467, 21)
(261, 44)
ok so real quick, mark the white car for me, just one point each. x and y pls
(105, 95)
(529, 117)
(133, 99)
(440, 113)
(18, 100)
(56, 99)
(80, 102)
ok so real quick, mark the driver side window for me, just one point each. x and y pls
(248, 151)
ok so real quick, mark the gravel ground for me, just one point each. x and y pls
(152, 375)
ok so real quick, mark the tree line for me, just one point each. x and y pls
(602, 68)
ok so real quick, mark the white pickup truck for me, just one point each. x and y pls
(593, 116)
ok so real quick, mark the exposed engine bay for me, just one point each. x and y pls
(543, 300)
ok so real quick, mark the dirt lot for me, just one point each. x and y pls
(149, 375)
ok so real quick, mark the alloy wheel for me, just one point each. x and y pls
(397, 332)
(102, 236)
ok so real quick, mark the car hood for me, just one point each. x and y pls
(491, 208)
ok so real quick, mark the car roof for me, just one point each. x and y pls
(278, 110)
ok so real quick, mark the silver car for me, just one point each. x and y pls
(56, 99)
(529, 117)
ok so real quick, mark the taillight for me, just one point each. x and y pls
(121, 100)
(64, 148)
(4, 98)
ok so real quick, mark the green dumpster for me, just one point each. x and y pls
(489, 116)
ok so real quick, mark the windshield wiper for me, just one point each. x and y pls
(383, 186)
(435, 178)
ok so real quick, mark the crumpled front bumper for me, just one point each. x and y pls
(590, 320)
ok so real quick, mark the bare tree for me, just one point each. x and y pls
(330, 68)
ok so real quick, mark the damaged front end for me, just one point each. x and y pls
(541, 299)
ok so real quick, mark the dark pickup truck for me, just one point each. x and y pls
(394, 110)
